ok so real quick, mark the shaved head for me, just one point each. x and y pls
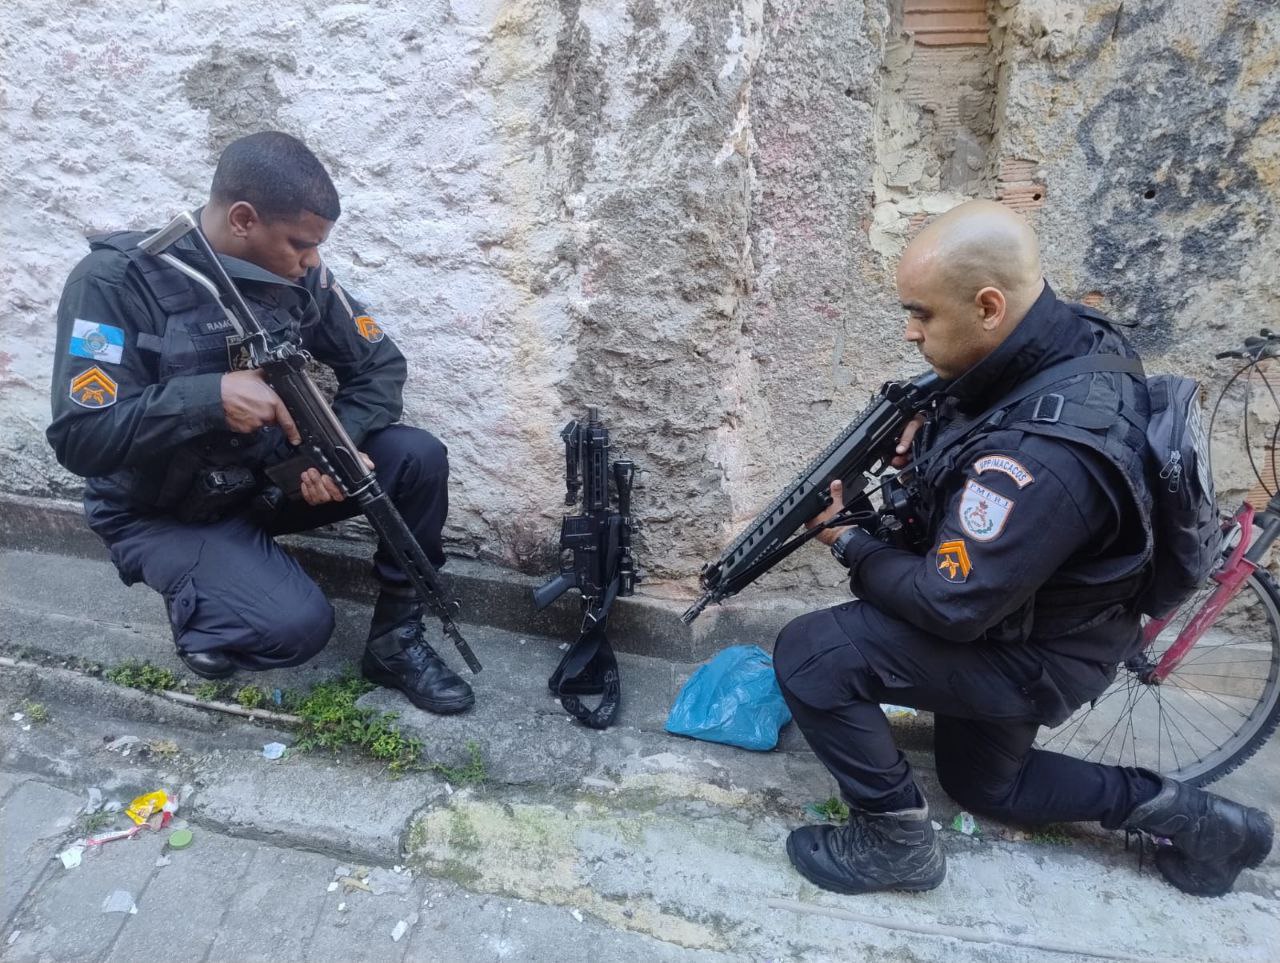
(966, 281)
(981, 244)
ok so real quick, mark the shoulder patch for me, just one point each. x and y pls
(97, 341)
(1003, 463)
(93, 389)
(983, 512)
(369, 329)
(953, 560)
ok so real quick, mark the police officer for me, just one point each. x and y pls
(177, 447)
(1022, 603)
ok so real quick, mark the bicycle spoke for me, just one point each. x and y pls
(1187, 719)
(1183, 684)
(1129, 703)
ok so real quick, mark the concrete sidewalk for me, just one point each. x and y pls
(627, 844)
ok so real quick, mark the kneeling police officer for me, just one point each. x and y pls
(175, 444)
(1020, 608)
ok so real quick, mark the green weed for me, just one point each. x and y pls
(36, 711)
(251, 697)
(143, 675)
(332, 720)
(833, 810)
(1051, 835)
(213, 691)
(473, 772)
(90, 823)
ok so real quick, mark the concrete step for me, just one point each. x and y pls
(338, 557)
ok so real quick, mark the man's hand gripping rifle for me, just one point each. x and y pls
(863, 449)
(324, 441)
(596, 559)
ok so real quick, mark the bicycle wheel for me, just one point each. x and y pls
(1209, 715)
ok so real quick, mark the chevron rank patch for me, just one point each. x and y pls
(953, 560)
(983, 512)
(93, 389)
(96, 341)
(369, 329)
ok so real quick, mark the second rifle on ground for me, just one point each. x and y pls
(596, 559)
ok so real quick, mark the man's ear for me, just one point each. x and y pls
(242, 218)
(992, 307)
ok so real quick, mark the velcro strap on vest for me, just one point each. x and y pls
(169, 286)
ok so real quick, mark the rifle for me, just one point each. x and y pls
(863, 449)
(325, 443)
(596, 559)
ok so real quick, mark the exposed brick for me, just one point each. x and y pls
(1017, 188)
(946, 23)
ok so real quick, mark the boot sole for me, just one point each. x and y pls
(835, 887)
(449, 708)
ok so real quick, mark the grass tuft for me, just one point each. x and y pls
(332, 720)
(143, 675)
(473, 773)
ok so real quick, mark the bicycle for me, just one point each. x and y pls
(1203, 693)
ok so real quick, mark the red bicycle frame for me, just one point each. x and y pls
(1230, 578)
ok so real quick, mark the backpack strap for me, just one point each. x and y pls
(1026, 403)
(1053, 407)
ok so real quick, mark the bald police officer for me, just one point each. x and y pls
(1021, 606)
(174, 444)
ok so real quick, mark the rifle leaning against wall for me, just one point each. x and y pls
(862, 450)
(325, 442)
(595, 558)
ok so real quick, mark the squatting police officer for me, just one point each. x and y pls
(1020, 607)
(174, 444)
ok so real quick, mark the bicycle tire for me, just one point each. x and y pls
(1239, 717)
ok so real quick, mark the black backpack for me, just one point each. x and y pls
(1184, 516)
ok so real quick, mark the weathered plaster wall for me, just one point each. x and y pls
(1153, 127)
(683, 213)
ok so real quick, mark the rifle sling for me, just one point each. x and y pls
(589, 668)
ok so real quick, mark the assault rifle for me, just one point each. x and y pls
(595, 558)
(862, 450)
(324, 441)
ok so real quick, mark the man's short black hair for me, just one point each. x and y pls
(278, 175)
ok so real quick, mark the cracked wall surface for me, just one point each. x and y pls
(686, 214)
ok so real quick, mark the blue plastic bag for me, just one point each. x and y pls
(733, 699)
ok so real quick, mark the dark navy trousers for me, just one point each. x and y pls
(837, 665)
(229, 587)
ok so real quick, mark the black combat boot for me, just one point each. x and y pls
(208, 665)
(872, 851)
(1211, 839)
(397, 656)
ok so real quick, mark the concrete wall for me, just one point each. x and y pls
(685, 213)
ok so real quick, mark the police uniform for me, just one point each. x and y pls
(137, 411)
(1022, 605)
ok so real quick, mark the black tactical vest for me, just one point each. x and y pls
(194, 338)
(1105, 412)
